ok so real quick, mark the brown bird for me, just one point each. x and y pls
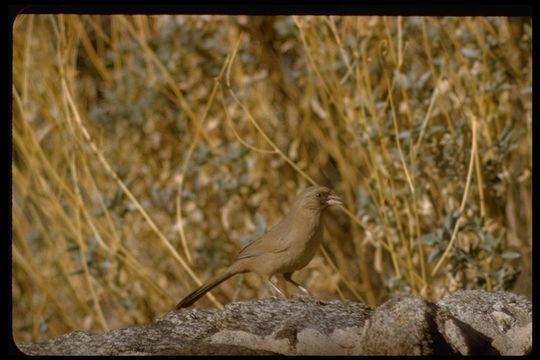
(288, 246)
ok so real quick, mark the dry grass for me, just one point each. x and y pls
(146, 149)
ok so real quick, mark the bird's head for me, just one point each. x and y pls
(317, 198)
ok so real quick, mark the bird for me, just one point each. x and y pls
(286, 247)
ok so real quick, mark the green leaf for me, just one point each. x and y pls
(510, 255)
(450, 222)
(470, 53)
(431, 238)
(435, 253)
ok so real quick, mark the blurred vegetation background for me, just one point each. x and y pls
(148, 149)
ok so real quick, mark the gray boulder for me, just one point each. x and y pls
(468, 322)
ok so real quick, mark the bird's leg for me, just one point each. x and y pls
(287, 276)
(307, 296)
(275, 288)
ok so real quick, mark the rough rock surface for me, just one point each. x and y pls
(500, 316)
(467, 322)
(407, 321)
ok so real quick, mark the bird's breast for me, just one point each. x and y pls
(304, 245)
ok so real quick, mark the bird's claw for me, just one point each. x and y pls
(308, 298)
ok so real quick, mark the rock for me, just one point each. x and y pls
(404, 326)
(467, 323)
(516, 341)
(500, 316)
(461, 337)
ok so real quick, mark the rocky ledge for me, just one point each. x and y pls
(468, 322)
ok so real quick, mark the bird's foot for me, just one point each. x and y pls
(308, 299)
(303, 297)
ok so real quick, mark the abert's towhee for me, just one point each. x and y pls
(288, 246)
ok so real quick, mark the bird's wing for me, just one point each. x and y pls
(273, 241)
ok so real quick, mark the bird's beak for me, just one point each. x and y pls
(333, 199)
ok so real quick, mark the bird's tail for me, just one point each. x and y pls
(197, 294)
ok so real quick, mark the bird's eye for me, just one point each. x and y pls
(318, 194)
